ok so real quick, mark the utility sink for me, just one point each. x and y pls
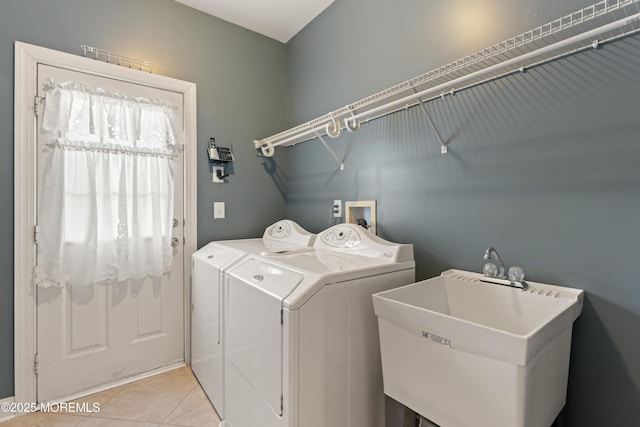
(462, 352)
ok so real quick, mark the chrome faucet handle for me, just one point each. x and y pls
(516, 274)
(489, 254)
(490, 269)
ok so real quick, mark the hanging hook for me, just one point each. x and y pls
(333, 128)
(352, 125)
(267, 149)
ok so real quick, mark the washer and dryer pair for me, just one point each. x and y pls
(283, 328)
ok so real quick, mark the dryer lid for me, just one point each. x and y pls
(216, 255)
(356, 240)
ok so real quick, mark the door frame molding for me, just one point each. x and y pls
(27, 58)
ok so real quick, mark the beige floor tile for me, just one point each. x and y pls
(169, 382)
(149, 400)
(97, 398)
(175, 386)
(44, 419)
(173, 398)
(195, 410)
(106, 422)
(185, 370)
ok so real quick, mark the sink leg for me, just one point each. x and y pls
(410, 418)
(423, 422)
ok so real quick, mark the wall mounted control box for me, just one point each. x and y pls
(219, 157)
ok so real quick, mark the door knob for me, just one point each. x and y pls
(175, 242)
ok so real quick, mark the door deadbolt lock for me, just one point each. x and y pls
(175, 223)
(175, 242)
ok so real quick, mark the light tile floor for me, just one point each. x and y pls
(173, 398)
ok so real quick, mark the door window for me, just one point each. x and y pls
(106, 205)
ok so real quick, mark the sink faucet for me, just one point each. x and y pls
(488, 256)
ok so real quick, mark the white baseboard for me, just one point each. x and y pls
(6, 416)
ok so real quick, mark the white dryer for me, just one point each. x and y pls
(301, 334)
(208, 267)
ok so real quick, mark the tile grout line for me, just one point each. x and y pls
(122, 388)
(97, 415)
(179, 403)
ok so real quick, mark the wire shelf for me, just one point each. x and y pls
(587, 28)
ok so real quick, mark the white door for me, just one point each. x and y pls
(89, 336)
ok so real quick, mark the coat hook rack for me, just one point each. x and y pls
(108, 56)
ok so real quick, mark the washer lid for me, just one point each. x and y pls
(270, 278)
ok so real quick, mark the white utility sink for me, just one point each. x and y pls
(462, 352)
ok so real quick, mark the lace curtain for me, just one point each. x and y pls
(106, 199)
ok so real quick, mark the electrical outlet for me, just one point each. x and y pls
(215, 174)
(337, 208)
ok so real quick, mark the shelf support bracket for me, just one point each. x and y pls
(443, 145)
(333, 153)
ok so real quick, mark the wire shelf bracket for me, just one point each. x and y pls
(443, 146)
(598, 24)
(333, 153)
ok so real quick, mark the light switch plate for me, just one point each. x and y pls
(218, 210)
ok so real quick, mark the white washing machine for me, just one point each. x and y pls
(209, 266)
(301, 335)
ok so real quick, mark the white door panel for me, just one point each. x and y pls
(94, 335)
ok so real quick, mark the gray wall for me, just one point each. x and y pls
(240, 79)
(543, 166)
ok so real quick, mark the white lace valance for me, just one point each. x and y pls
(106, 204)
(76, 112)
